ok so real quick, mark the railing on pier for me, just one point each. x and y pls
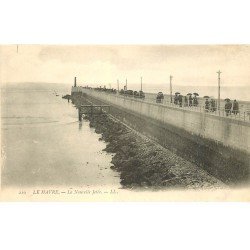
(241, 114)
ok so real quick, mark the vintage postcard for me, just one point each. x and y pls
(125, 122)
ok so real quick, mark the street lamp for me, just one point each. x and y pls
(171, 77)
(218, 102)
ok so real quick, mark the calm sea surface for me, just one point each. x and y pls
(43, 144)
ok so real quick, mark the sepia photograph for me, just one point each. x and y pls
(125, 122)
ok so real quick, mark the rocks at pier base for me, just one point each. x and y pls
(145, 164)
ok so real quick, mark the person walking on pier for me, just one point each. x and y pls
(228, 107)
(176, 98)
(212, 105)
(180, 100)
(235, 107)
(206, 105)
(195, 101)
(190, 101)
(185, 101)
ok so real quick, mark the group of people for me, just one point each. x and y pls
(210, 106)
(188, 100)
(231, 107)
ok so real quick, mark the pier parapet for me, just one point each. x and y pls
(229, 132)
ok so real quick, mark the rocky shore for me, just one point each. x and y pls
(144, 164)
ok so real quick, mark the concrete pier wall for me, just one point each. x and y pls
(229, 132)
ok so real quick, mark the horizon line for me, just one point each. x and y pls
(215, 85)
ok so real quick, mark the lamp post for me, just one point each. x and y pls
(171, 77)
(126, 84)
(141, 83)
(218, 101)
(118, 85)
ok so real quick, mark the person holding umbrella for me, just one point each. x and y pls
(195, 100)
(228, 106)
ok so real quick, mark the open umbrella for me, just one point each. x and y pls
(189, 94)
(227, 99)
(196, 94)
(206, 96)
(177, 93)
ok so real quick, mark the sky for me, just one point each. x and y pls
(190, 65)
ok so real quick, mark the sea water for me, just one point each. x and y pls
(44, 144)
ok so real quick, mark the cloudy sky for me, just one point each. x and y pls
(189, 65)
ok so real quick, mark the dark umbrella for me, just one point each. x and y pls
(189, 94)
(227, 99)
(196, 94)
(177, 93)
(206, 96)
